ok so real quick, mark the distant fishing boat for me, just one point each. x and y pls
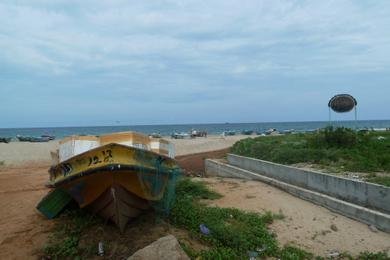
(5, 139)
(50, 137)
(271, 131)
(260, 133)
(23, 138)
(32, 139)
(116, 175)
(288, 131)
(247, 132)
(180, 136)
(196, 133)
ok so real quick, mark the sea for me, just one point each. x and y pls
(212, 129)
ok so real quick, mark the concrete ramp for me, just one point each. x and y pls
(379, 219)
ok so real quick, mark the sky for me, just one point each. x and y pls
(81, 63)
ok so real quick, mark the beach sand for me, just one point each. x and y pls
(23, 174)
(305, 225)
(23, 231)
(17, 153)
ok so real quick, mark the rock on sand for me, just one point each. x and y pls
(165, 248)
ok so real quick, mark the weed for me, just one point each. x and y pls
(195, 190)
(233, 233)
(384, 180)
(373, 256)
(290, 252)
(64, 242)
(339, 149)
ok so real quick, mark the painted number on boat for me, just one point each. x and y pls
(107, 157)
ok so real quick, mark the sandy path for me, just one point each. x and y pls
(15, 153)
(23, 231)
(306, 225)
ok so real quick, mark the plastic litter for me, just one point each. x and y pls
(334, 254)
(100, 249)
(204, 229)
(261, 249)
(373, 228)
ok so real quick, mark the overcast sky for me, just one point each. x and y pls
(68, 63)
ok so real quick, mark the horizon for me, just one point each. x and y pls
(189, 124)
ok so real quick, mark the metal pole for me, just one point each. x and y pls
(356, 127)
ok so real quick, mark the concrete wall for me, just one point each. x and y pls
(365, 194)
(362, 214)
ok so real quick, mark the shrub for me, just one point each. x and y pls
(335, 137)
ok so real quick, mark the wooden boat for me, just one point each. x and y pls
(33, 139)
(49, 137)
(181, 135)
(5, 139)
(23, 138)
(195, 133)
(247, 132)
(228, 133)
(115, 180)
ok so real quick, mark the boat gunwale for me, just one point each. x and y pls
(112, 167)
(113, 144)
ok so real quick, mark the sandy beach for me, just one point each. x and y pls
(17, 153)
(23, 231)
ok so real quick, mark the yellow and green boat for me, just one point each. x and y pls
(117, 179)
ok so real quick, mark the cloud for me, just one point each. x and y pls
(176, 52)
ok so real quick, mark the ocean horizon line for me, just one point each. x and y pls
(190, 124)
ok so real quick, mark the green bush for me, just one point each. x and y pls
(335, 137)
(338, 148)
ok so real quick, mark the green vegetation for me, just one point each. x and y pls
(337, 149)
(233, 234)
(2, 163)
(66, 236)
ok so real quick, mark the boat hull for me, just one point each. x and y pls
(118, 205)
(115, 181)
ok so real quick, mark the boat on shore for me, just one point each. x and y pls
(228, 133)
(116, 175)
(5, 139)
(33, 139)
(50, 137)
(196, 133)
(247, 132)
(181, 135)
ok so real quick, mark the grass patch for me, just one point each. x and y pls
(234, 234)
(2, 163)
(65, 239)
(384, 180)
(339, 149)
